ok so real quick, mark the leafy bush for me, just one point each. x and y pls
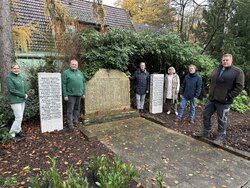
(112, 174)
(123, 50)
(241, 103)
(52, 178)
(8, 182)
(5, 111)
(4, 135)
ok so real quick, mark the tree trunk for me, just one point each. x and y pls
(7, 56)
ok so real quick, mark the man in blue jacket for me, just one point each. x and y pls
(191, 90)
(141, 78)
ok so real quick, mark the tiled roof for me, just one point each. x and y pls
(33, 10)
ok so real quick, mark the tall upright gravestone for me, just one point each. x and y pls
(108, 91)
(50, 101)
(156, 93)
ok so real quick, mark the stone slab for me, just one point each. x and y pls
(185, 161)
(108, 90)
(156, 93)
(50, 101)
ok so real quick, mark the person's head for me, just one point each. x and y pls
(227, 60)
(192, 69)
(15, 68)
(142, 66)
(74, 64)
(171, 70)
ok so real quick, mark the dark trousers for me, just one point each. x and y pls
(73, 109)
(171, 105)
(222, 115)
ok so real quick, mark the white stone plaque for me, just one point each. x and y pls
(156, 93)
(50, 101)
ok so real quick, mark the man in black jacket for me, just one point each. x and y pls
(141, 78)
(227, 82)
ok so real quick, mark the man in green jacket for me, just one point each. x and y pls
(17, 94)
(73, 89)
(227, 82)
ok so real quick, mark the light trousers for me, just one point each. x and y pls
(18, 110)
(140, 99)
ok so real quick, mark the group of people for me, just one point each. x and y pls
(227, 81)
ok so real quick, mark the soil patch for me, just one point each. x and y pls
(238, 130)
(68, 147)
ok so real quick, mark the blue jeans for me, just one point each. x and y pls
(140, 99)
(182, 107)
(73, 109)
(222, 114)
(18, 110)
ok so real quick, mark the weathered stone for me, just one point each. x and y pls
(50, 100)
(107, 91)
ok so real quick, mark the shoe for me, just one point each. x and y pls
(176, 113)
(168, 112)
(21, 134)
(71, 127)
(15, 139)
(202, 134)
(191, 121)
(218, 141)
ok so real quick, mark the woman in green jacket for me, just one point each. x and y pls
(17, 94)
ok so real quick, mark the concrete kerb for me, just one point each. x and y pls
(229, 149)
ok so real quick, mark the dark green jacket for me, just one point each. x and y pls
(225, 88)
(73, 83)
(17, 88)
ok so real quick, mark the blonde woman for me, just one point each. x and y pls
(171, 90)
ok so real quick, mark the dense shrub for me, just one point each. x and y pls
(123, 50)
(241, 103)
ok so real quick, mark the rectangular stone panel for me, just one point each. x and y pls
(156, 93)
(50, 101)
(107, 91)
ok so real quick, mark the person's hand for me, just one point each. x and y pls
(66, 98)
(26, 96)
(195, 98)
(181, 96)
(147, 91)
(83, 97)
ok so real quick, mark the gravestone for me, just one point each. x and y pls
(50, 101)
(156, 93)
(108, 91)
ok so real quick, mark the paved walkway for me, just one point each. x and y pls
(186, 162)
